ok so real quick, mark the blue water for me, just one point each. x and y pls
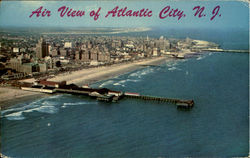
(75, 126)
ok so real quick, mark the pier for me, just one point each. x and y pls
(227, 50)
(178, 102)
(101, 94)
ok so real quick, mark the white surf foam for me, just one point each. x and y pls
(42, 109)
(202, 57)
(15, 116)
(141, 73)
(119, 84)
(173, 68)
(172, 64)
(77, 103)
(47, 109)
(42, 105)
(106, 83)
(130, 80)
(56, 96)
(133, 74)
(122, 82)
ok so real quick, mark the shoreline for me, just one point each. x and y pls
(96, 74)
(11, 96)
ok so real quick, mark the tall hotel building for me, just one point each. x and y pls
(42, 49)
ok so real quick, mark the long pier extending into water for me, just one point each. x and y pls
(226, 50)
(178, 102)
(102, 94)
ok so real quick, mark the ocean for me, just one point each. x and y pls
(73, 126)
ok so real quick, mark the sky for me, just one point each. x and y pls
(234, 14)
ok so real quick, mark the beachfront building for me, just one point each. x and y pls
(155, 52)
(29, 68)
(15, 64)
(22, 64)
(50, 83)
(104, 57)
(49, 61)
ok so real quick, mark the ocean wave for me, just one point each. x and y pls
(77, 103)
(141, 73)
(47, 109)
(173, 68)
(135, 74)
(43, 109)
(34, 104)
(55, 96)
(172, 63)
(119, 84)
(130, 80)
(158, 69)
(44, 105)
(175, 63)
(134, 77)
(106, 83)
(47, 102)
(15, 116)
(202, 57)
(122, 82)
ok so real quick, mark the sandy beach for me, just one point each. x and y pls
(11, 95)
(88, 76)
